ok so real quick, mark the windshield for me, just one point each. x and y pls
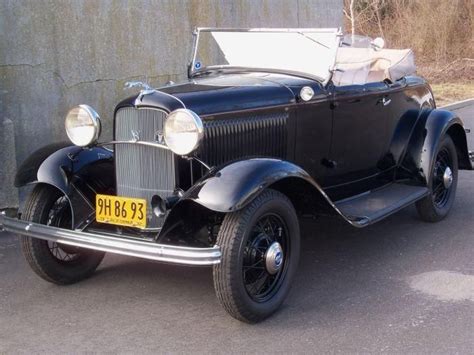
(356, 41)
(305, 52)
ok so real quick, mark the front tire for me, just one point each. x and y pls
(442, 183)
(260, 253)
(56, 263)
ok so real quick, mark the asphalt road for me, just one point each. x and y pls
(400, 286)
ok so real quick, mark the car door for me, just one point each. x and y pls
(313, 134)
(360, 135)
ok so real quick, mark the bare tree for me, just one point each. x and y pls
(358, 13)
(376, 5)
(352, 17)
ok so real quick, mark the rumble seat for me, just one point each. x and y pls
(364, 65)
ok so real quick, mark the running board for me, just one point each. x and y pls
(111, 244)
(372, 206)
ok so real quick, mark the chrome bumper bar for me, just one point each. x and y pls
(123, 246)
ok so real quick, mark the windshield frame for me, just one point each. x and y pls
(192, 72)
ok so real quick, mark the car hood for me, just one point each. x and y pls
(236, 92)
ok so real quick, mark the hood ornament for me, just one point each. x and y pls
(137, 84)
(147, 89)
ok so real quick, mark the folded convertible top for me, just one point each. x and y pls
(364, 65)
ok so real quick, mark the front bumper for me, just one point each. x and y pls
(131, 247)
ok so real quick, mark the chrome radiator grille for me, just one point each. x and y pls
(143, 171)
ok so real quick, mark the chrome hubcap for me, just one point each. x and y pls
(448, 178)
(274, 258)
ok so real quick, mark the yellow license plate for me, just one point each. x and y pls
(123, 211)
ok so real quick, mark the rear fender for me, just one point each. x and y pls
(77, 172)
(427, 133)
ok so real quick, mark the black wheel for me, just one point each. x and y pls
(442, 184)
(260, 252)
(56, 263)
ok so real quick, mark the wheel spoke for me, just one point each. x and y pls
(271, 227)
(266, 284)
(255, 265)
(259, 283)
(439, 187)
(59, 216)
(259, 227)
(440, 194)
(255, 287)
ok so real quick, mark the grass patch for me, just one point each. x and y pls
(446, 93)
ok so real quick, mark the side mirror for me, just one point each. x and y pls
(378, 43)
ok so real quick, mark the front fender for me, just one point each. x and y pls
(232, 187)
(28, 171)
(431, 126)
(60, 166)
(70, 169)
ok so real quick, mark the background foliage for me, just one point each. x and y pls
(439, 31)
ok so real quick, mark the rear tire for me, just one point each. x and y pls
(260, 253)
(56, 263)
(436, 206)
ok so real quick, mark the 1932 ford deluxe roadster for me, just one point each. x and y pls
(271, 124)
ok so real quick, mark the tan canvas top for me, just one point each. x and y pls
(364, 65)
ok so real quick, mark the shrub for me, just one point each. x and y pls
(439, 31)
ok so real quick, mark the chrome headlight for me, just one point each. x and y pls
(82, 125)
(183, 131)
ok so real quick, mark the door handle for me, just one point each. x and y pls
(385, 101)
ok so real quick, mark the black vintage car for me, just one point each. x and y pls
(272, 125)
